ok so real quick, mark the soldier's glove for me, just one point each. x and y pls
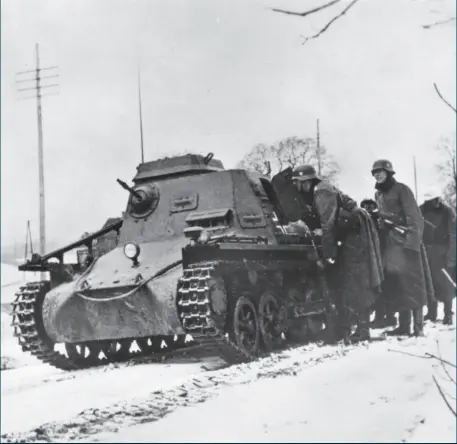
(330, 261)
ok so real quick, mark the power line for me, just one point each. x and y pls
(38, 88)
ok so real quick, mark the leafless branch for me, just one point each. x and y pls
(442, 22)
(443, 99)
(440, 359)
(443, 396)
(409, 354)
(425, 356)
(311, 11)
(334, 19)
(442, 363)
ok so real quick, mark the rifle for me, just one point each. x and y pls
(388, 220)
(448, 277)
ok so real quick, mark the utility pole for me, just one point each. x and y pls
(141, 115)
(415, 176)
(38, 95)
(318, 148)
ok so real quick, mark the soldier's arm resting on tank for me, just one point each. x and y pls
(450, 259)
(326, 204)
(414, 219)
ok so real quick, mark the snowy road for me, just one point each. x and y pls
(377, 395)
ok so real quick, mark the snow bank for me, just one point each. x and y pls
(377, 392)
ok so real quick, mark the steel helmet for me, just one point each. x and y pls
(367, 200)
(304, 172)
(382, 164)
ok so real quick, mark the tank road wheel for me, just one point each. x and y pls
(245, 326)
(271, 321)
(83, 354)
(315, 326)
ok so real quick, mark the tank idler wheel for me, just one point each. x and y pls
(246, 331)
(271, 321)
(117, 350)
(83, 354)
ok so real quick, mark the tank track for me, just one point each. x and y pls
(198, 316)
(28, 328)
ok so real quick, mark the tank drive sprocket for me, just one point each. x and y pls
(230, 327)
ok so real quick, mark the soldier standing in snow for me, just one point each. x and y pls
(350, 249)
(407, 275)
(439, 240)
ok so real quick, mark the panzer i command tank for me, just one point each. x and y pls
(201, 250)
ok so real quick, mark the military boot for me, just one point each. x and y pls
(380, 314)
(362, 333)
(404, 329)
(448, 318)
(418, 322)
(432, 309)
(391, 320)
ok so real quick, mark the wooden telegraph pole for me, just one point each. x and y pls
(38, 95)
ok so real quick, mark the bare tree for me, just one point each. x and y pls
(443, 99)
(290, 152)
(337, 16)
(341, 8)
(446, 167)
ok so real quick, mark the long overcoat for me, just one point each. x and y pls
(439, 240)
(348, 236)
(408, 282)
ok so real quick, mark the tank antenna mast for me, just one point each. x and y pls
(141, 115)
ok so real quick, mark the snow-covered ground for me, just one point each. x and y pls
(367, 393)
(381, 392)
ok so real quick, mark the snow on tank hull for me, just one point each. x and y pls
(119, 300)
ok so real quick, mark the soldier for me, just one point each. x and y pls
(384, 317)
(350, 250)
(439, 240)
(368, 205)
(407, 276)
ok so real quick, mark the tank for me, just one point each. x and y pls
(199, 251)
(252, 276)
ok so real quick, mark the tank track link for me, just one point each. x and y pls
(28, 328)
(198, 316)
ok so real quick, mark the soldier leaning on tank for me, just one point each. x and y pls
(407, 282)
(347, 249)
(439, 240)
(384, 317)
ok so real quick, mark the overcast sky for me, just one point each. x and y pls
(217, 75)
